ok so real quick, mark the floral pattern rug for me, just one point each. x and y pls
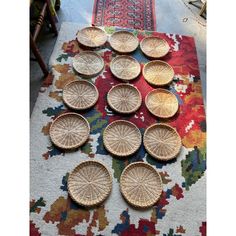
(181, 210)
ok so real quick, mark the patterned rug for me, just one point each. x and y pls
(181, 210)
(136, 14)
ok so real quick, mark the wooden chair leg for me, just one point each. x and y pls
(203, 9)
(38, 56)
(51, 19)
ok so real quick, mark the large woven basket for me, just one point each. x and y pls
(124, 41)
(80, 94)
(158, 73)
(69, 131)
(124, 98)
(162, 141)
(125, 67)
(91, 37)
(88, 63)
(162, 103)
(122, 138)
(154, 47)
(90, 183)
(141, 184)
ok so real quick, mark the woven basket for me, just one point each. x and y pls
(90, 183)
(162, 103)
(88, 63)
(141, 184)
(154, 47)
(124, 41)
(69, 130)
(122, 138)
(162, 141)
(158, 73)
(80, 94)
(124, 98)
(125, 67)
(91, 37)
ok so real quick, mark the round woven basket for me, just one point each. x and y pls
(141, 184)
(69, 130)
(80, 94)
(158, 73)
(91, 37)
(162, 103)
(124, 41)
(125, 67)
(124, 98)
(154, 47)
(88, 63)
(122, 138)
(90, 183)
(162, 141)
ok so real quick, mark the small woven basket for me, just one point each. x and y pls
(90, 183)
(141, 184)
(124, 98)
(91, 37)
(162, 141)
(158, 73)
(69, 131)
(124, 41)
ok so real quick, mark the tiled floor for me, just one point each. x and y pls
(173, 16)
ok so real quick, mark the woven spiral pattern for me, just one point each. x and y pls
(162, 103)
(69, 130)
(124, 98)
(91, 37)
(141, 184)
(89, 183)
(80, 94)
(125, 67)
(124, 41)
(158, 73)
(88, 63)
(122, 138)
(154, 47)
(162, 141)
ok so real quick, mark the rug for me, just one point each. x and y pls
(181, 210)
(136, 14)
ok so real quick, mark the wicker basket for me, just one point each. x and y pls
(124, 98)
(162, 103)
(158, 73)
(141, 184)
(125, 67)
(124, 41)
(91, 37)
(88, 63)
(80, 94)
(154, 47)
(122, 138)
(162, 141)
(90, 183)
(69, 130)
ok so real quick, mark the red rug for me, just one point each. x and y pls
(136, 14)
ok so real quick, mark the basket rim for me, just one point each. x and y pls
(161, 90)
(76, 82)
(160, 62)
(92, 27)
(127, 122)
(69, 114)
(170, 157)
(154, 37)
(127, 32)
(88, 52)
(75, 170)
(126, 85)
(121, 57)
(140, 163)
